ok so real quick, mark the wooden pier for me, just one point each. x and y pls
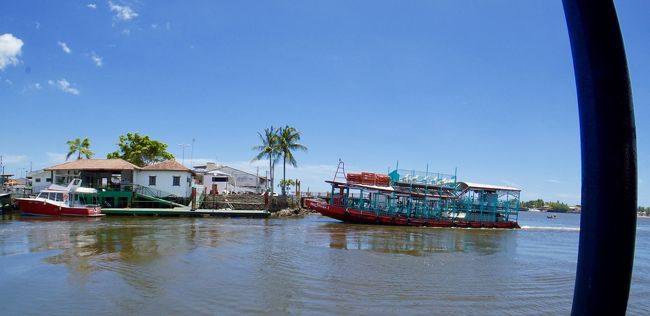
(184, 211)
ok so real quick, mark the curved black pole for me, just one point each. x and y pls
(608, 139)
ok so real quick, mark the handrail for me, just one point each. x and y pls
(609, 171)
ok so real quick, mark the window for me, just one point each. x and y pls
(59, 197)
(176, 181)
(152, 180)
(37, 179)
(48, 180)
(43, 195)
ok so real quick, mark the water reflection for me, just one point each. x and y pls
(418, 241)
(130, 248)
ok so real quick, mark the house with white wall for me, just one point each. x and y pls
(239, 181)
(40, 179)
(168, 178)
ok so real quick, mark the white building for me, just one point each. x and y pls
(167, 178)
(40, 179)
(239, 181)
(217, 182)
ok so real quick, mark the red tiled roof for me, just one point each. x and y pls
(95, 164)
(167, 165)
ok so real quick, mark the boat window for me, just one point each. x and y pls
(58, 197)
(43, 195)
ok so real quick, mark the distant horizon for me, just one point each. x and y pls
(487, 88)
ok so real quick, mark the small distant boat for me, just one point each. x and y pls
(57, 200)
(551, 216)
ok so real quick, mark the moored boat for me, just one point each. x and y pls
(410, 198)
(57, 200)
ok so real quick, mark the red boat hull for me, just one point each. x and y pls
(43, 208)
(357, 216)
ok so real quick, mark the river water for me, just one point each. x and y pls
(310, 265)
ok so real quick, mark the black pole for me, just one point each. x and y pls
(608, 139)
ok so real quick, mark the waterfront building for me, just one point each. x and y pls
(239, 181)
(40, 180)
(169, 177)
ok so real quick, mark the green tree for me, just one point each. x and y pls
(288, 138)
(268, 149)
(81, 147)
(140, 150)
(558, 206)
(287, 183)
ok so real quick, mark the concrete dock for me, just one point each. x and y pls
(183, 211)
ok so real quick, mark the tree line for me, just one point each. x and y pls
(539, 203)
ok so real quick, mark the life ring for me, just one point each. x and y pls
(65, 197)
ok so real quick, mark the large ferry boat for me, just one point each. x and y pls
(57, 200)
(412, 198)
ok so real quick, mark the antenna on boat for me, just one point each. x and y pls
(340, 169)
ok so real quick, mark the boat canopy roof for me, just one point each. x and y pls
(363, 186)
(485, 187)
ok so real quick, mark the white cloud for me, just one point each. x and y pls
(13, 159)
(154, 26)
(9, 82)
(92, 6)
(10, 49)
(553, 181)
(122, 12)
(126, 32)
(55, 158)
(65, 47)
(510, 183)
(168, 25)
(31, 87)
(96, 59)
(38, 25)
(64, 86)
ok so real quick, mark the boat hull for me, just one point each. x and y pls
(44, 208)
(350, 215)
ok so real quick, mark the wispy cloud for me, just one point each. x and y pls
(32, 87)
(13, 159)
(553, 181)
(64, 85)
(10, 50)
(96, 59)
(567, 195)
(122, 12)
(55, 158)
(510, 183)
(65, 47)
(92, 6)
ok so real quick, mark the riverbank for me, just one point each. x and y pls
(289, 212)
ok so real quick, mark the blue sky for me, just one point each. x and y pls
(483, 86)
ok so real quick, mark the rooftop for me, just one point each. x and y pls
(167, 165)
(95, 164)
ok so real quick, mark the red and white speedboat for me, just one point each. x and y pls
(57, 200)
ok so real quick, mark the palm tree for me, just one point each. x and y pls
(81, 147)
(288, 138)
(268, 149)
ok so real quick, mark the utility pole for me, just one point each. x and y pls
(192, 153)
(184, 146)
